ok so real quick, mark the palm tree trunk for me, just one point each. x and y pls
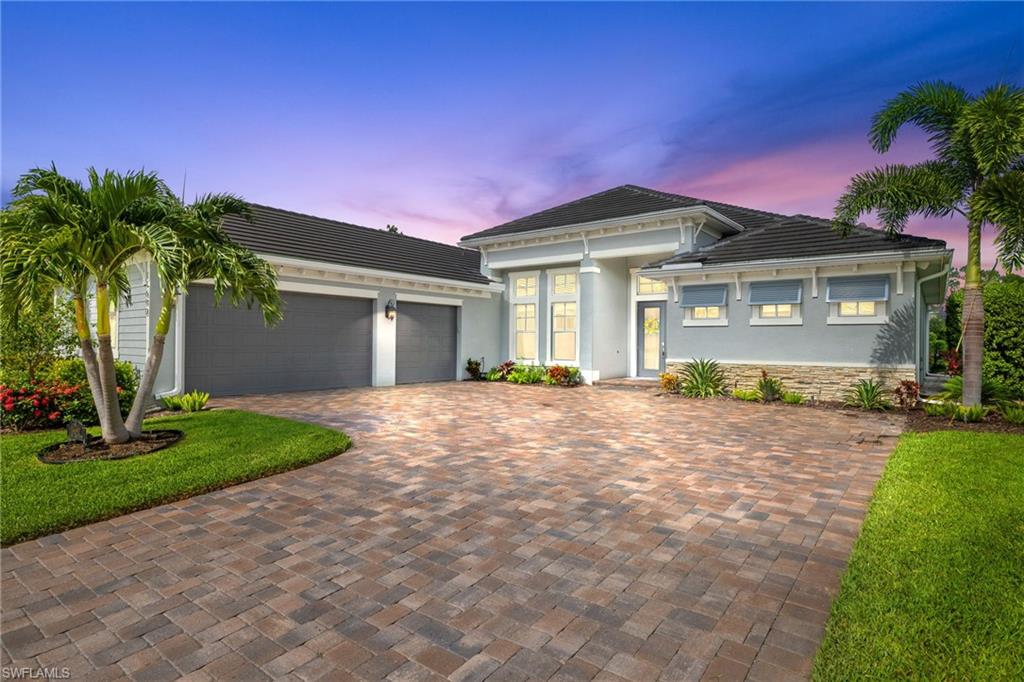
(973, 318)
(92, 372)
(156, 354)
(114, 431)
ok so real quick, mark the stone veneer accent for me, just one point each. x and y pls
(820, 382)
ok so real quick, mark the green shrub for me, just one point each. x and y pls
(1003, 358)
(974, 413)
(868, 394)
(187, 402)
(702, 378)
(1014, 413)
(750, 395)
(494, 374)
(527, 374)
(943, 409)
(670, 382)
(71, 372)
(474, 369)
(562, 375)
(34, 338)
(793, 398)
(770, 388)
(993, 391)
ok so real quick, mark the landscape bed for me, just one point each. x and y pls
(220, 448)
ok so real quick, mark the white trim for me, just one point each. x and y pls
(538, 261)
(856, 259)
(635, 298)
(835, 318)
(590, 375)
(552, 299)
(795, 320)
(721, 321)
(513, 301)
(591, 269)
(420, 298)
(312, 288)
(179, 350)
(626, 251)
(785, 363)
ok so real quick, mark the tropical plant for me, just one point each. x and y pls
(32, 405)
(907, 394)
(793, 398)
(748, 394)
(868, 394)
(78, 404)
(527, 374)
(494, 374)
(33, 338)
(702, 378)
(206, 252)
(977, 173)
(670, 382)
(60, 234)
(971, 413)
(474, 368)
(187, 402)
(940, 409)
(769, 388)
(993, 391)
(562, 375)
(503, 370)
(1014, 413)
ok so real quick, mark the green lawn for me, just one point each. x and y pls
(220, 448)
(935, 585)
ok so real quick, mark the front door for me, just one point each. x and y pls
(650, 344)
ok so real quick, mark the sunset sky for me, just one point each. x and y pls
(449, 118)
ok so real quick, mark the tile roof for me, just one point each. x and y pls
(798, 236)
(275, 231)
(621, 202)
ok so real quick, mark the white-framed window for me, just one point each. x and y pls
(775, 302)
(523, 323)
(858, 300)
(704, 305)
(563, 298)
(645, 286)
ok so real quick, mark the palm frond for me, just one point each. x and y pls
(932, 188)
(934, 106)
(992, 127)
(999, 201)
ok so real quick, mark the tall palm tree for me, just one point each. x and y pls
(63, 233)
(977, 173)
(207, 253)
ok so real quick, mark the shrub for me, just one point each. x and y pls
(71, 372)
(750, 395)
(560, 375)
(943, 409)
(793, 398)
(670, 382)
(187, 402)
(494, 374)
(33, 338)
(907, 394)
(474, 368)
(33, 406)
(702, 378)
(1003, 357)
(1014, 413)
(974, 413)
(868, 394)
(770, 388)
(993, 391)
(527, 374)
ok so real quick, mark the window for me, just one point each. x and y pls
(709, 312)
(646, 286)
(857, 309)
(563, 332)
(704, 305)
(526, 331)
(777, 310)
(564, 283)
(525, 286)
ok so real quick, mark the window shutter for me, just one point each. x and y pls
(857, 289)
(703, 295)
(786, 291)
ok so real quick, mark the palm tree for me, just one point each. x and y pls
(977, 173)
(59, 233)
(207, 253)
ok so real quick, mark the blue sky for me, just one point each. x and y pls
(448, 118)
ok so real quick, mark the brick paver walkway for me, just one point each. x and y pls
(476, 531)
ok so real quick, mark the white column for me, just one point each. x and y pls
(384, 341)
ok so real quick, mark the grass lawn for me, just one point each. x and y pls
(220, 448)
(935, 585)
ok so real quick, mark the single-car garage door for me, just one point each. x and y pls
(322, 342)
(425, 347)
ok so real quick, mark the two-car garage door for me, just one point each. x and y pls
(322, 342)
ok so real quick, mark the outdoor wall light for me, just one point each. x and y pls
(390, 310)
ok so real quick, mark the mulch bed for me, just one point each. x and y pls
(151, 441)
(917, 420)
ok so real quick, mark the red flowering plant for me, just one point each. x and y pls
(31, 406)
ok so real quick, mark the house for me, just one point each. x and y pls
(629, 282)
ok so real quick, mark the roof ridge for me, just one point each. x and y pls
(361, 227)
(558, 206)
(706, 202)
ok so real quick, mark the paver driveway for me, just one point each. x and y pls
(477, 531)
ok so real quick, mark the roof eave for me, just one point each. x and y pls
(671, 269)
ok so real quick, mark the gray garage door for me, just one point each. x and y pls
(425, 347)
(322, 342)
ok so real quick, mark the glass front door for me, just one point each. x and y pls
(650, 347)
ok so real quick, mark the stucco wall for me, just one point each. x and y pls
(814, 341)
(611, 319)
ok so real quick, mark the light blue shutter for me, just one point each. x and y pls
(857, 289)
(703, 295)
(786, 291)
